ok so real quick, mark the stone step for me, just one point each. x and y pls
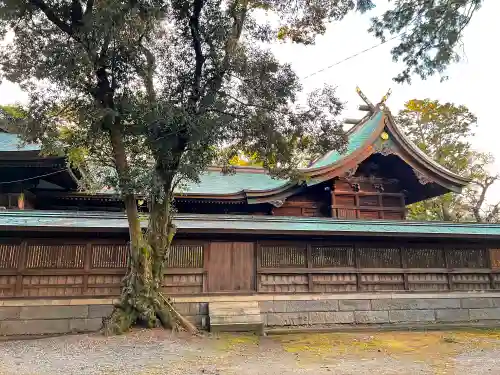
(233, 312)
(235, 316)
(226, 304)
(235, 319)
(245, 327)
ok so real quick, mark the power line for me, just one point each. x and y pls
(32, 178)
(353, 56)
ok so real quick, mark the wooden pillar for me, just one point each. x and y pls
(449, 275)
(357, 265)
(404, 265)
(206, 260)
(86, 268)
(309, 267)
(494, 263)
(21, 265)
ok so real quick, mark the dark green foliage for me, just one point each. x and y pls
(431, 32)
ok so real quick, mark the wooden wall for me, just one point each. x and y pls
(72, 268)
(367, 198)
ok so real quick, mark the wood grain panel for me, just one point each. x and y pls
(219, 267)
(243, 266)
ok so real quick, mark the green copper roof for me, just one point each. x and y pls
(250, 224)
(355, 141)
(12, 142)
(214, 183)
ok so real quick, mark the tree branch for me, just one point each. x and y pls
(476, 209)
(238, 13)
(194, 25)
(89, 7)
(63, 26)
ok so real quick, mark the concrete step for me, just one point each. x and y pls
(238, 316)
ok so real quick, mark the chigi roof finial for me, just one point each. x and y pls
(385, 97)
(370, 106)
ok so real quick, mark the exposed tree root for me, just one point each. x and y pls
(156, 310)
(182, 321)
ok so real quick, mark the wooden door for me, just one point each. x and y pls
(231, 267)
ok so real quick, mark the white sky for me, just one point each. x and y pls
(472, 82)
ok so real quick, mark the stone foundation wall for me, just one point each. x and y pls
(411, 310)
(51, 316)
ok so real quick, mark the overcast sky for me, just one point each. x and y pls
(473, 82)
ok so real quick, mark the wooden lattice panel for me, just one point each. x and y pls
(109, 256)
(380, 257)
(424, 258)
(185, 256)
(467, 258)
(55, 256)
(332, 256)
(9, 255)
(346, 213)
(282, 256)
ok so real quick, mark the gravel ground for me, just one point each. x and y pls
(161, 352)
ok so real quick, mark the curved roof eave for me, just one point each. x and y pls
(423, 159)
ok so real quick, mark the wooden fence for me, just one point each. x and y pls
(332, 268)
(77, 268)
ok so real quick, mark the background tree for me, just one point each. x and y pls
(443, 132)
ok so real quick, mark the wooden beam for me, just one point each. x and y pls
(351, 121)
(365, 99)
(364, 107)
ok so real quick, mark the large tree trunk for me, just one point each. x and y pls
(141, 300)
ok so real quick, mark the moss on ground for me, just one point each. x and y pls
(437, 349)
